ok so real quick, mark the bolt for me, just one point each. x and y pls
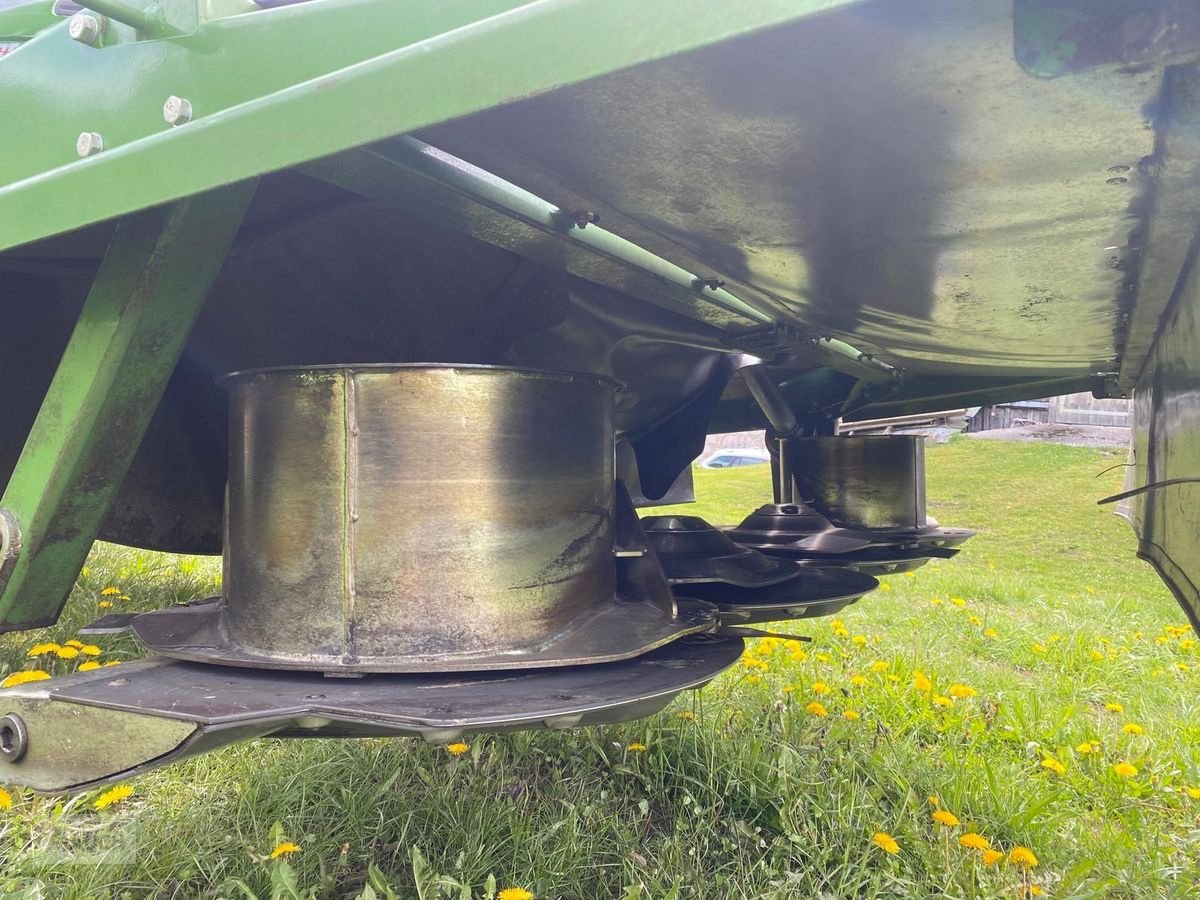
(85, 28)
(14, 738)
(177, 111)
(89, 143)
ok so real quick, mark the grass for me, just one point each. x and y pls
(740, 791)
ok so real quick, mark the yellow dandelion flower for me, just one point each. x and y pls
(935, 801)
(1183, 667)
(851, 715)
(1054, 765)
(860, 681)
(823, 658)
(961, 690)
(125, 597)
(514, 893)
(1087, 747)
(859, 640)
(1114, 707)
(945, 817)
(991, 857)
(1133, 728)
(936, 601)
(113, 796)
(1096, 655)
(1125, 770)
(879, 666)
(458, 748)
(753, 679)
(105, 604)
(991, 633)
(112, 662)
(884, 586)
(74, 642)
(88, 665)
(25, 677)
(1137, 635)
(921, 682)
(1193, 792)
(976, 621)
(43, 649)
(973, 841)
(287, 848)
(789, 688)
(6, 800)
(943, 702)
(820, 687)
(635, 747)
(910, 574)
(893, 678)
(1187, 644)
(66, 653)
(1022, 856)
(1038, 648)
(885, 842)
(841, 632)
(110, 591)
(768, 644)
(1161, 639)
(1036, 891)
(687, 715)
(816, 709)
(89, 650)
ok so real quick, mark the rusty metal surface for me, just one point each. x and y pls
(862, 481)
(418, 517)
(1052, 38)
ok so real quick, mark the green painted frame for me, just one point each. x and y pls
(129, 336)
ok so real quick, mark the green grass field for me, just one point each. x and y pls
(1058, 639)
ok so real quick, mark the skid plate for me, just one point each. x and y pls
(111, 723)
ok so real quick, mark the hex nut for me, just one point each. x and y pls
(177, 111)
(89, 143)
(85, 28)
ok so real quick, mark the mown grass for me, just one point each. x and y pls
(740, 791)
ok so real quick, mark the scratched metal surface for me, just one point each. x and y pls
(887, 173)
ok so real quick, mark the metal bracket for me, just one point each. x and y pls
(129, 336)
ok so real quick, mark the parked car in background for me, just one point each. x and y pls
(727, 459)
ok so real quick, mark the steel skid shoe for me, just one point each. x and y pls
(374, 588)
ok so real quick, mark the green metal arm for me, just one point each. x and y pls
(130, 334)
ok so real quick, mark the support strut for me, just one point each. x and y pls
(129, 336)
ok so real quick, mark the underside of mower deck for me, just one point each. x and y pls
(407, 316)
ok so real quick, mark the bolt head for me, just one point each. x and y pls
(176, 110)
(89, 143)
(85, 27)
